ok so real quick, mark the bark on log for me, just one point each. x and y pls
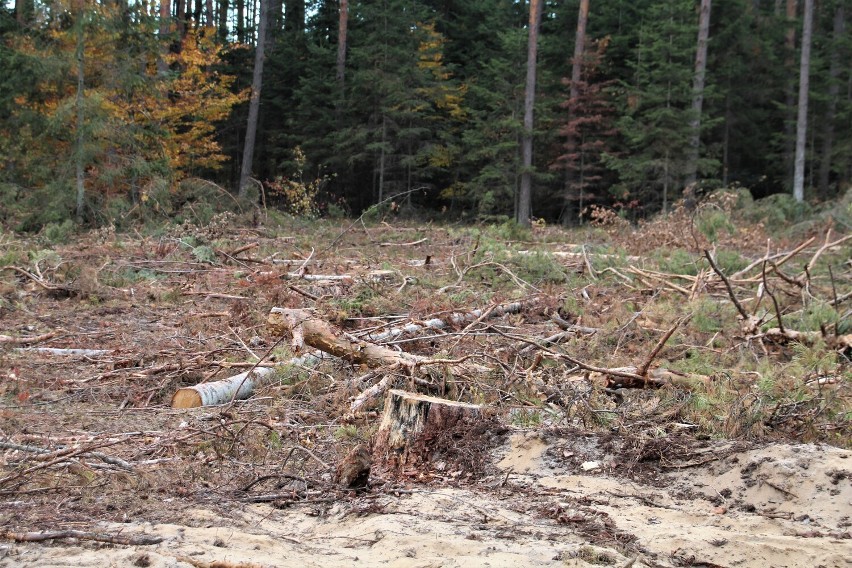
(372, 276)
(9, 339)
(456, 318)
(222, 392)
(354, 471)
(411, 425)
(67, 352)
(307, 329)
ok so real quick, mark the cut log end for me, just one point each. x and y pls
(186, 398)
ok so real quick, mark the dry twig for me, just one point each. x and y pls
(127, 540)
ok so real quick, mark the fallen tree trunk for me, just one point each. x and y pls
(8, 339)
(656, 378)
(413, 425)
(840, 342)
(307, 329)
(63, 351)
(456, 318)
(372, 276)
(220, 392)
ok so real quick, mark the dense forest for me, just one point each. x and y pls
(476, 108)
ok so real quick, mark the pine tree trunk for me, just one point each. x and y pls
(165, 19)
(342, 29)
(833, 95)
(666, 182)
(524, 208)
(698, 92)
(789, 124)
(79, 166)
(726, 140)
(223, 20)
(802, 120)
(254, 102)
(208, 13)
(181, 18)
(241, 21)
(382, 159)
(574, 92)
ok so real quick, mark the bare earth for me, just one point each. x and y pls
(777, 506)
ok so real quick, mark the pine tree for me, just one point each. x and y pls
(523, 209)
(589, 133)
(657, 106)
(398, 92)
(485, 48)
(836, 49)
(698, 91)
(254, 101)
(491, 139)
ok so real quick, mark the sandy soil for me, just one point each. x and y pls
(551, 501)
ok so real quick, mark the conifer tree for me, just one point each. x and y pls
(589, 133)
(523, 210)
(657, 106)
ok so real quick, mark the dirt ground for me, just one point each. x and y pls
(579, 473)
(781, 505)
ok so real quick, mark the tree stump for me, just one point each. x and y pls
(417, 430)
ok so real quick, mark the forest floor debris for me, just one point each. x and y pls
(738, 456)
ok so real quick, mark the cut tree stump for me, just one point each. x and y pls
(414, 429)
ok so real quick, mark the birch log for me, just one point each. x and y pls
(456, 318)
(243, 384)
(220, 392)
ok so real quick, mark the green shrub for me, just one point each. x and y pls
(204, 253)
(509, 230)
(42, 206)
(58, 232)
(730, 261)
(710, 221)
(676, 261)
(777, 211)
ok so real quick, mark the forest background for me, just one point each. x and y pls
(114, 111)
